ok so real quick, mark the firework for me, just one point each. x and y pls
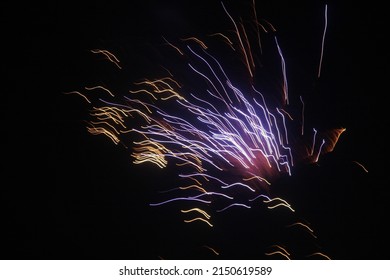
(227, 139)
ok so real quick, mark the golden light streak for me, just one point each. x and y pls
(140, 113)
(306, 227)
(320, 254)
(240, 40)
(144, 105)
(252, 62)
(198, 168)
(108, 55)
(278, 252)
(150, 158)
(101, 130)
(100, 87)
(281, 248)
(261, 179)
(173, 46)
(150, 151)
(211, 249)
(204, 213)
(262, 26)
(198, 219)
(225, 38)
(283, 203)
(197, 182)
(201, 43)
(273, 29)
(288, 115)
(143, 90)
(153, 143)
(110, 113)
(79, 93)
(194, 157)
(203, 176)
(278, 198)
(159, 86)
(361, 165)
(194, 187)
(257, 27)
(105, 123)
(170, 79)
(301, 224)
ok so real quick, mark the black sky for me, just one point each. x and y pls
(70, 195)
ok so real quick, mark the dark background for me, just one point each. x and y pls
(69, 195)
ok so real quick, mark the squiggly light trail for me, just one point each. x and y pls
(225, 138)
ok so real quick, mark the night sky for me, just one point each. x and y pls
(71, 195)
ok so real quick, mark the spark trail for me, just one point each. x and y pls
(227, 141)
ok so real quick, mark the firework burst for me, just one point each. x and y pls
(208, 116)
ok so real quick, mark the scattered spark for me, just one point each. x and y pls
(319, 150)
(323, 40)
(240, 40)
(108, 55)
(334, 136)
(225, 38)
(301, 224)
(211, 249)
(278, 252)
(202, 44)
(281, 204)
(173, 46)
(314, 142)
(199, 219)
(361, 165)
(303, 116)
(79, 93)
(281, 248)
(306, 227)
(283, 64)
(101, 87)
(232, 205)
(204, 213)
(319, 254)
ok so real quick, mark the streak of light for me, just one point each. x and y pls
(301, 224)
(233, 205)
(361, 165)
(281, 248)
(261, 179)
(198, 219)
(79, 93)
(204, 213)
(319, 254)
(225, 38)
(211, 249)
(108, 55)
(201, 43)
(323, 41)
(302, 116)
(195, 187)
(240, 40)
(100, 87)
(319, 150)
(173, 46)
(278, 252)
(306, 227)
